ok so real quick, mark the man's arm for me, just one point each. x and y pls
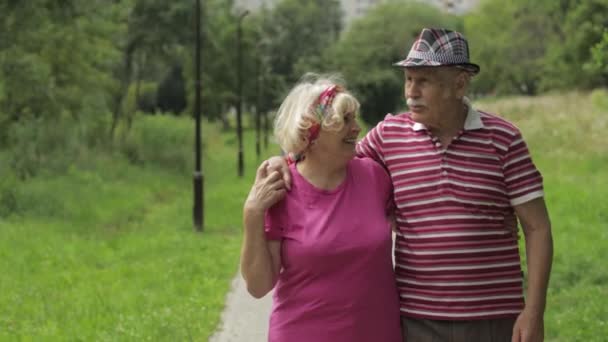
(536, 225)
(371, 144)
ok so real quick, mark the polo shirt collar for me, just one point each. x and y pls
(472, 121)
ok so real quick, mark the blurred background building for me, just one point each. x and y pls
(354, 9)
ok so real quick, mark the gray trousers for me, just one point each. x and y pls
(487, 330)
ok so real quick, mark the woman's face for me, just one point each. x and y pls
(340, 144)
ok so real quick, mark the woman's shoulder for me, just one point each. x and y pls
(367, 168)
(366, 164)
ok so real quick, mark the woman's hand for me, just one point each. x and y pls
(268, 189)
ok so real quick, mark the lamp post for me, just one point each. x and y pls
(258, 104)
(239, 127)
(198, 173)
(266, 129)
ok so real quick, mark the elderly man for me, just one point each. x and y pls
(457, 173)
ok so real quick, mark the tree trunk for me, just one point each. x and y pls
(125, 80)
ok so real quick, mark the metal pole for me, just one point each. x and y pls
(198, 173)
(257, 108)
(239, 127)
(266, 129)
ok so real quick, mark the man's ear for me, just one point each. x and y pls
(462, 83)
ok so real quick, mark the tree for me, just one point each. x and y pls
(156, 31)
(366, 52)
(510, 47)
(294, 34)
(536, 46)
(55, 56)
(171, 94)
(599, 60)
(582, 29)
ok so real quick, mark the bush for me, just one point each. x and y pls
(160, 140)
(599, 99)
(171, 94)
(36, 144)
(147, 98)
(9, 185)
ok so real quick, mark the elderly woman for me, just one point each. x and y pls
(324, 246)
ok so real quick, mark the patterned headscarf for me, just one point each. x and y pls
(320, 108)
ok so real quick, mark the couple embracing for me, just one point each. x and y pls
(450, 177)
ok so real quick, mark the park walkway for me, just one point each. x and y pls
(245, 319)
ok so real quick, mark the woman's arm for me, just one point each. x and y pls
(260, 258)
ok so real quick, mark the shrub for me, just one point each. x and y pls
(38, 143)
(9, 185)
(160, 140)
(599, 99)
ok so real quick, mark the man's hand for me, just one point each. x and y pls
(511, 225)
(267, 190)
(279, 164)
(534, 218)
(529, 327)
(393, 222)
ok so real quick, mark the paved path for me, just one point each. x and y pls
(245, 319)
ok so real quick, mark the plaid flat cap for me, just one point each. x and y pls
(439, 47)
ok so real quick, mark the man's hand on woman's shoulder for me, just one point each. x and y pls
(279, 164)
(268, 189)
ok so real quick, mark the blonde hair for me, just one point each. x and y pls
(296, 115)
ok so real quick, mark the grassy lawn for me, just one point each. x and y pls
(106, 251)
(565, 133)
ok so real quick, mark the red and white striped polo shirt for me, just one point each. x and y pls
(454, 258)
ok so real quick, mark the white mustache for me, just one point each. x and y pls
(412, 102)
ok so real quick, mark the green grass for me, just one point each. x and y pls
(565, 133)
(107, 252)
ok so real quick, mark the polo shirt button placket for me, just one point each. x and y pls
(444, 173)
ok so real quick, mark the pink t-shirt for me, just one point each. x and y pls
(337, 281)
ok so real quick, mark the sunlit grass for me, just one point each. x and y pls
(108, 252)
(565, 133)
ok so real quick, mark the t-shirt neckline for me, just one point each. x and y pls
(309, 187)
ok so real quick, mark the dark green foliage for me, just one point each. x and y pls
(73, 73)
(537, 46)
(41, 144)
(9, 193)
(599, 54)
(294, 35)
(366, 52)
(147, 98)
(171, 94)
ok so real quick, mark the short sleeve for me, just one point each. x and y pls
(371, 145)
(275, 221)
(522, 179)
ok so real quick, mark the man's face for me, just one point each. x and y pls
(429, 91)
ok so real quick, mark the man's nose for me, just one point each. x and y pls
(412, 90)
